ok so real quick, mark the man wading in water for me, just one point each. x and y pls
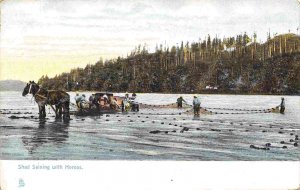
(196, 104)
(179, 102)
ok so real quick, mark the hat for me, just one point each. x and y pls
(195, 96)
(83, 95)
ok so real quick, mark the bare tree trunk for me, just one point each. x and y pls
(280, 46)
(285, 50)
(274, 47)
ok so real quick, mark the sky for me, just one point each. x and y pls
(39, 37)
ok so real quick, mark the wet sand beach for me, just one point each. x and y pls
(154, 133)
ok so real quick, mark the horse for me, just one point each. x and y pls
(60, 99)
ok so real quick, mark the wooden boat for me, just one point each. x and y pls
(103, 107)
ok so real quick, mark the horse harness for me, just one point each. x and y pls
(47, 100)
(41, 96)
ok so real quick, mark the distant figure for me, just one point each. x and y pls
(126, 96)
(113, 104)
(80, 100)
(96, 102)
(91, 100)
(105, 99)
(282, 105)
(134, 103)
(179, 102)
(77, 97)
(125, 102)
(196, 104)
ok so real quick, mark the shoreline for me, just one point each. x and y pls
(200, 93)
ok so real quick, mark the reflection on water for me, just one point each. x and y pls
(46, 133)
(153, 134)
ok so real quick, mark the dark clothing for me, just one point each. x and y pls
(91, 99)
(179, 102)
(282, 106)
(197, 109)
(96, 103)
(122, 107)
(196, 104)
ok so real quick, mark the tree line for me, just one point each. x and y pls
(232, 65)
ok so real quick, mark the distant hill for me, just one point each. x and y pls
(231, 65)
(12, 85)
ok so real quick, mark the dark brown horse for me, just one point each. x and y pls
(60, 99)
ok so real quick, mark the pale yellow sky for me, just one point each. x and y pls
(40, 37)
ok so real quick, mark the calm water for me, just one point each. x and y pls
(128, 137)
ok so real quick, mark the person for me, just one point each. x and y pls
(125, 102)
(134, 103)
(91, 100)
(113, 103)
(105, 98)
(282, 105)
(96, 102)
(179, 102)
(80, 100)
(77, 99)
(196, 104)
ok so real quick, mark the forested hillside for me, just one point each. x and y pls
(232, 65)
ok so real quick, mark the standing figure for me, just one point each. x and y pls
(282, 105)
(125, 103)
(179, 102)
(134, 103)
(196, 104)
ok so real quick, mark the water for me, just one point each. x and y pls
(127, 136)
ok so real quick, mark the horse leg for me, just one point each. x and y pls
(66, 110)
(58, 111)
(40, 112)
(44, 111)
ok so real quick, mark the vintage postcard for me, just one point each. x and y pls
(113, 90)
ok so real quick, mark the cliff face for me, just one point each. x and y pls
(232, 65)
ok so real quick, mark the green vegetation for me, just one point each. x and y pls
(235, 65)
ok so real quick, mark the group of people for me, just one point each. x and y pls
(196, 104)
(80, 100)
(127, 103)
(130, 102)
(95, 101)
